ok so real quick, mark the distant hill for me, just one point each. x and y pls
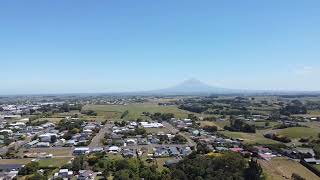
(191, 87)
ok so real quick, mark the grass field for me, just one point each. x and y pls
(159, 161)
(299, 132)
(15, 161)
(282, 168)
(314, 113)
(219, 124)
(64, 152)
(54, 162)
(317, 166)
(114, 112)
(52, 120)
(157, 130)
(249, 138)
(262, 123)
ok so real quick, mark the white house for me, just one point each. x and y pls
(81, 151)
(6, 131)
(47, 137)
(113, 149)
(43, 144)
(151, 125)
(131, 142)
(64, 174)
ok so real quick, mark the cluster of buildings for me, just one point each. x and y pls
(54, 137)
(14, 111)
(181, 124)
(306, 154)
(131, 126)
(124, 136)
(172, 151)
(9, 171)
(67, 174)
(19, 131)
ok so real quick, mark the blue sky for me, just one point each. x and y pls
(110, 46)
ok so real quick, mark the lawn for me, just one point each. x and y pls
(299, 132)
(114, 112)
(53, 162)
(158, 161)
(283, 168)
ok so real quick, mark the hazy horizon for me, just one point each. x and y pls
(50, 47)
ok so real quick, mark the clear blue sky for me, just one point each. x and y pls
(116, 45)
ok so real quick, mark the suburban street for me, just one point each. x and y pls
(96, 141)
(173, 130)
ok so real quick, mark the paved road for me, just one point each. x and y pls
(173, 130)
(96, 141)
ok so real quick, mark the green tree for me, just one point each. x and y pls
(29, 168)
(78, 163)
(125, 175)
(297, 177)
(254, 171)
(179, 139)
(36, 176)
(228, 166)
(106, 173)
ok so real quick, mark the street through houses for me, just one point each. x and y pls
(96, 141)
(173, 130)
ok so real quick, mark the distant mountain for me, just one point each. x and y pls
(191, 87)
(196, 87)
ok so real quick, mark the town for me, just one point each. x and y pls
(77, 137)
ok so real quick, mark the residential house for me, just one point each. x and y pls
(81, 151)
(31, 144)
(171, 162)
(64, 174)
(131, 142)
(10, 167)
(129, 153)
(47, 137)
(173, 151)
(43, 144)
(305, 152)
(161, 152)
(185, 151)
(8, 175)
(85, 175)
(113, 149)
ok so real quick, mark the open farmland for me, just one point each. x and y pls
(299, 132)
(282, 168)
(249, 138)
(219, 124)
(135, 110)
